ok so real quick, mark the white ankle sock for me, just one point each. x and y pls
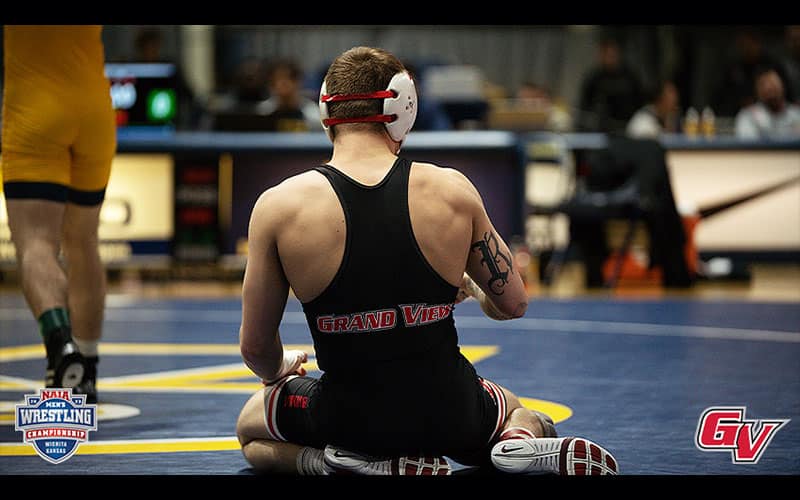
(86, 347)
(310, 462)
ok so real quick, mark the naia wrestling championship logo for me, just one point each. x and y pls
(55, 422)
(725, 429)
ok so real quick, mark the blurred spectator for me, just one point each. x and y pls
(660, 115)
(772, 116)
(534, 96)
(235, 109)
(736, 89)
(148, 45)
(611, 92)
(430, 112)
(791, 63)
(248, 90)
(629, 176)
(286, 105)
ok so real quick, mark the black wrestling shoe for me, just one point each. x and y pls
(88, 385)
(65, 364)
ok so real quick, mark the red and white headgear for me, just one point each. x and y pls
(399, 107)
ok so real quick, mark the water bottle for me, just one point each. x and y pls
(707, 125)
(691, 123)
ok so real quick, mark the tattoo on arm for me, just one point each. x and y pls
(493, 259)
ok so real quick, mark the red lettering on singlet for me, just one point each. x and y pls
(340, 323)
(296, 401)
(356, 324)
(419, 314)
(388, 318)
(411, 314)
(325, 323)
(373, 320)
(384, 319)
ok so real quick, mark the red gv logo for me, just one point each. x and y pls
(725, 428)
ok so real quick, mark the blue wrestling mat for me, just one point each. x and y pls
(633, 375)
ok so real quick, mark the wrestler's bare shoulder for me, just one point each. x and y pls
(445, 182)
(298, 192)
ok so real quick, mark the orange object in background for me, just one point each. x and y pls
(689, 224)
(633, 272)
(636, 273)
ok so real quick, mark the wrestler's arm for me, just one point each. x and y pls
(491, 276)
(264, 293)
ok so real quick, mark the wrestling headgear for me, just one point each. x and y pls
(399, 107)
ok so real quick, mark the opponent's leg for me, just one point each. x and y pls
(527, 444)
(86, 284)
(262, 441)
(91, 153)
(36, 232)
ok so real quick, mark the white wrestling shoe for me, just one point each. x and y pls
(568, 456)
(340, 461)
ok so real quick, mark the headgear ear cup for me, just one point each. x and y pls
(404, 106)
(323, 111)
(399, 107)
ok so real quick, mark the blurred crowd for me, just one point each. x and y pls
(756, 96)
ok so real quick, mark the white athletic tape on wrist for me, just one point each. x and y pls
(472, 289)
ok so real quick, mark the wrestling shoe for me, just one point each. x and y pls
(88, 385)
(65, 364)
(338, 461)
(568, 456)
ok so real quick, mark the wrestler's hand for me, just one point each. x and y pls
(292, 364)
(466, 289)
